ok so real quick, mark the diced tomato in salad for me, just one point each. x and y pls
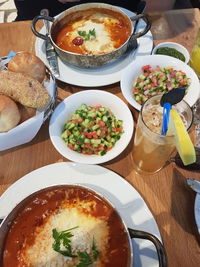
(92, 130)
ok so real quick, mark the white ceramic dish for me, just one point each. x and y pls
(197, 211)
(132, 71)
(64, 111)
(122, 195)
(176, 46)
(99, 76)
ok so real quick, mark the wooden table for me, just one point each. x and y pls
(166, 193)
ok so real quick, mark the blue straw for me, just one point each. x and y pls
(165, 120)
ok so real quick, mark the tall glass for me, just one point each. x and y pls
(152, 150)
(195, 55)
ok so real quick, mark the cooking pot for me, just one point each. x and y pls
(81, 60)
(38, 200)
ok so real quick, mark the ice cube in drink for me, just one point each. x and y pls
(152, 150)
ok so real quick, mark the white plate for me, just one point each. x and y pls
(118, 191)
(66, 108)
(99, 76)
(197, 211)
(133, 70)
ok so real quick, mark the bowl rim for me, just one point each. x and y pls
(64, 109)
(178, 46)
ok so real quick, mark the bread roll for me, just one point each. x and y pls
(26, 112)
(29, 64)
(23, 89)
(9, 114)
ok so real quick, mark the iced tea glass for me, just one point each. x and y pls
(195, 55)
(152, 150)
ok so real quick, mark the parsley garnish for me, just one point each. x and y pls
(88, 35)
(85, 259)
(63, 238)
(95, 252)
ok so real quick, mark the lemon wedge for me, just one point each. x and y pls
(195, 58)
(183, 142)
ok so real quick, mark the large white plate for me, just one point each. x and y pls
(197, 211)
(99, 76)
(118, 191)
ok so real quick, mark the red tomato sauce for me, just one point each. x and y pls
(47, 202)
(118, 32)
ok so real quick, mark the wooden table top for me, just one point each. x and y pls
(166, 193)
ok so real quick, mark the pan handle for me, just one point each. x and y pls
(159, 247)
(33, 26)
(146, 18)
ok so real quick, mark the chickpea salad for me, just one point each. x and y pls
(92, 130)
(156, 81)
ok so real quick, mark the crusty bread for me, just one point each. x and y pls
(29, 64)
(9, 114)
(23, 89)
(26, 112)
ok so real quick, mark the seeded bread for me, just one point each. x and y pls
(23, 89)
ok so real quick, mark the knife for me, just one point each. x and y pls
(194, 184)
(50, 51)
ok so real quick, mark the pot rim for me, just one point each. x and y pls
(7, 221)
(130, 233)
(60, 16)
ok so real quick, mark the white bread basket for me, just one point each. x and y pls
(27, 130)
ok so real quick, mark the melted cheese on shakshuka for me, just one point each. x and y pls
(93, 32)
(41, 252)
(65, 227)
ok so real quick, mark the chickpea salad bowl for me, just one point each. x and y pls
(157, 74)
(91, 127)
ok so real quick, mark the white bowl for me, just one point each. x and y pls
(176, 46)
(67, 107)
(133, 70)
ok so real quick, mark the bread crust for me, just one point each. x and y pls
(23, 89)
(9, 114)
(28, 64)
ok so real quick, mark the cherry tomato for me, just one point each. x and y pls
(78, 40)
